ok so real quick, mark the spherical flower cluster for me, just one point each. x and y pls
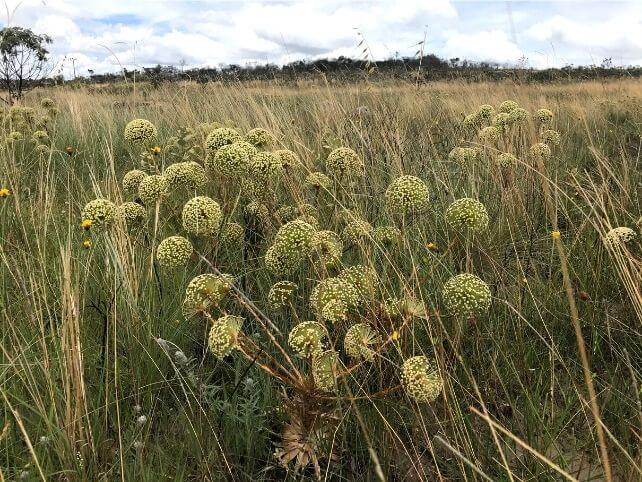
(344, 161)
(508, 106)
(501, 120)
(184, 175)
(292, 244)
(101, 213)
(467, 214)
(132, 214)
(318, 180)
(140, 132)
(198, 173)
(545, 116)
(43, 122)
(486, 112)
(256, 215)
(620, 235)
(152, 188)
(288, 158)
(247, 147)
(229, 160)
(472, 120)
(359, 340)
(517, 116)
(356, 230)
(332, 298)
(506, 159)
(281, 293)
(174, 252)
(28, 114)
(285, 214)
(224, 335)
(328, 247)
(466, 295)
(47, 103)
(221, 137)
(295, 236)
(42, 148)
(260, 137)
(362, 278)
(232, 233)
(15, 136)
(310, 219)
(421, 380)
(490, 134)
(540, 151)
(205, 292)
(40, 137)
(324, 370)
(407, 194)
(306, 338)
(551, 137)
(387, 235)
(265, 166)
(131, 180)
(201, 216)
(472, 154)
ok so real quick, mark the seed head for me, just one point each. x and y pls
(261, 138)
(280, 294)
(421, 380)
(466, 295)
(101, 213)
(140, 132)
(306, 338)
(206, 292)
(174, 252)
(152, 189)
(467, 214)
(224, 335)
(201, 216)
(359, 340)
(406, 195)
(344, 161)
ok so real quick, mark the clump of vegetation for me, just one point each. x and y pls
(205, 299)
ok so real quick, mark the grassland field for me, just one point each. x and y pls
(106, 375)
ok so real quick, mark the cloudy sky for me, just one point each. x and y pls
(104, 34)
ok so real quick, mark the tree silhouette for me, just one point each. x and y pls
(23, 57)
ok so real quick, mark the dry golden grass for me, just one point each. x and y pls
(545, 387)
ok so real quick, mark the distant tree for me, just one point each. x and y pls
(23, 58)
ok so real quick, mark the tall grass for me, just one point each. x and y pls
(545, 387)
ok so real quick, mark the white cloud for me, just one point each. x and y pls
(102, 34)
(619, 36)
(492, 45)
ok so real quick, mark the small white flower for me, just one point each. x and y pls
(142, 420)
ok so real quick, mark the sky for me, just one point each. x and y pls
(105, 36)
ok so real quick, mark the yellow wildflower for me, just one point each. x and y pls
(432, 247)
(4, 192)
(86, 244)
(156, 150)
(395, 335)
(86, 224)
(556, 234)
